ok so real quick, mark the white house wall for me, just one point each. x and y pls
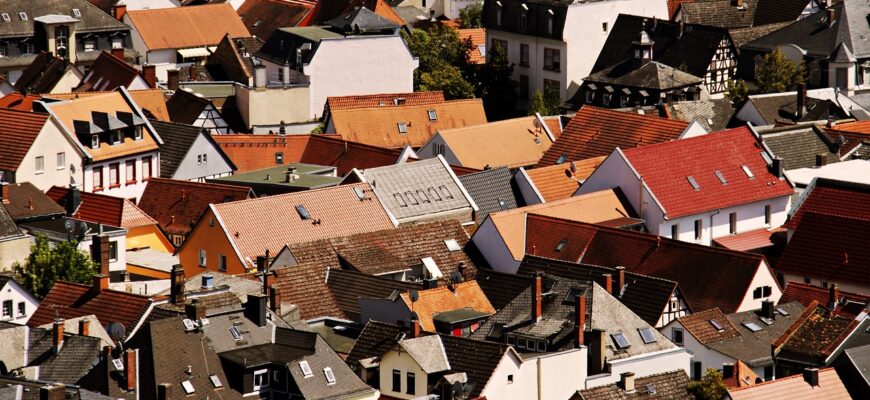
(699, 353)
(16, 294)
(68, 81)
(527, 188)
(191, 170)
(843, 286)
(48, 143)
(124, 189)
(268, 107)
(404, 363)
(643, 365)
(749, 217)
(492, 247)
(763, 277)
(428, 150)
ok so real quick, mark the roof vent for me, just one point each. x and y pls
(207, 281)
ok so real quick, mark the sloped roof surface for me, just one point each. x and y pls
(177, 141)
(18, 130)
(42, 74)
(104, 209)
(183, 27)
(176, 205)
(557, 182)
(262, 17)
(799, 146)
(795, 388)
(70, 300)
(92, 18)
(492, 190)
(652, 75)
(509, 143)
(699, 325)
(447, 298)
(721, 13)
(806, 294)
(810, 33)
(27, 201)
(832, 197)
(668, 385)
(108, 73)
(384, 100)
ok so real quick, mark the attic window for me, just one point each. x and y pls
(77, 13)
(330, 377)
(235, 332)
(502, 205)
(620, 340)
(279, 158)
(562, 158)
(647, 335)
(188, 387)
(452, 245)
(752, 326)
(403, 127)
(23, 16)
(303, 213)
(95, 141)
(400, 200)
(747, 171)
(561, 245)
(137, 133)
(650, 389)
(693, 182)
(215, 381)
(571, 296)
(257, 23)
(306, 369)
(6, 17)
(782, 312)
(721, 177)
(432, 115)
(716, 325)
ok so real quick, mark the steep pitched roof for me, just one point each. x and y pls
(18, 130)
(253, 152)
(737, 151)
(151, 101)
(813, 34)
(652, 75)
(185, 106)
(346, 155)
(806, 294)
(595, 132)
(798, 146)
(108, 73)
(262, 17)
(271, 222)
(795, 388)
(384, 100)
(700, 325)
(778, 11)
(347, 287)
(375, 339)
(447, 298)
(832, 197)
(71, 300)
(667, 385)
(510, 143)
(492, 190)
(557, 182)
(42, 74)
(713, 114)
(177, 141)
(381, 126)
(233, 59)
(26, 201)
(92, 19)
(325, 11)
(477, 359)
(721, 13)
(104, 209)
(19, 101)
(362, 20)
(815, 335)
(182, 27)
(177, 205)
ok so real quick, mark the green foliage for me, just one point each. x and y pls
(778, 74)
(46, 265)
(537, 104)
(710, 387)
(471, 16)
(318, 129)
(496, 87)
(444, 63)
(545, 104)
(737, 92)
(448, 79)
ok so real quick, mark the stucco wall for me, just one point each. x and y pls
(214, 241)
(494, 250)
(401, 361)
(48, 143)
(644, 365)
(14, 250)
(125, 189)
(273, 105)
(749, 217)
(190, 169)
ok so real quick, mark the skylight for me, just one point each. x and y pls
(716, 325)
(767, 321)
(747, 171)
(782, 312)
(188, 325)
(452, 245)
(647, 335)
(330, 377)
(23, 16)
(721, 177)
(188, 387)
(752, 326)
(303, 212)
(77, 13)
(433, 116)
(235, 332)
(694, 183)
(412, 198)
(6, 17)
(359, 193)
(562, 158)
(650, 388)
(400, 199)
(561, 245)
(502, 204)
(620, 340)
(446, 192)
(118, 364)
(257, 23)
(215, 381)
(306, 369)
(403, 127)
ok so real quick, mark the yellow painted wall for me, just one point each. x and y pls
(148, 236)
(210, 237)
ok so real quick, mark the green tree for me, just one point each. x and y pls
(710, 387)
(444, 61)
(447, 79)
(471, 16)
(47, 264)
(778, 74)
(545, 104)
(496, 86)
(737, 92)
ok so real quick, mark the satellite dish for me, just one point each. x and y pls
(456, 277)
(414, 296)
(116, 331)
(68, 225)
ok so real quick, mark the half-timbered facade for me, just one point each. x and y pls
(722, 68)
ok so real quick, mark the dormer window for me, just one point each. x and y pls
(23, 16)
(137, 133)
(95, 141)
(117, 137)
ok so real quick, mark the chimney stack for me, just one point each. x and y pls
(767, 310)
(84, 327)
(537, 295)
(414, 332)
(172, 79)
(255, 309)
(286, 74)
(727, 371)
(105, 255)
(118, 52)
(195, 310)
(626, 381)
(260, 76)
(275, 300)
(53, 392)
(811, 376)
(130, 369)
(597, 345)
(777, 167)
(832, 16)
(4, 192)
(268, 280)
(176, 284)
(118, 11)
(801, 101)
(579, 319)
(620, 280)
(833, 296)
(101, 283)
(607, 283)
(74, 199)
(164, 391)
(149, 73)
(207, 281)
(821, 161)
(57, 335)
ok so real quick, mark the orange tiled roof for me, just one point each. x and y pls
(478, 38)
(111, 102)
(104, 209)
(555, 125)
(862, 127)
(509, 143)
(151, 101)
(384, 100)
(272, 222)
(379, 126)
(806, 294)
(18, 101)
(183, 27)
(18, 130)
(253, 152)
(433, 301)
(699, 325)
(557, 182)
(794, 387)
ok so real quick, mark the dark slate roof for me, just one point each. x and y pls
(75, 359)
(721, 13)
(361, 20)
(741, 36)
(501, 288)
(782, 107)
(690, 52)
(652, 75)
(42, 74)
(185, 106)
(177, 140)
(858, 359)
(668, 385)
(492, 190)
(478, 359)
(30, 390)
(347, 287)
(374, 341)
(8, 228)
(92, 18)
(753, 348)
(810, 33)
(777, 11)
(713, 114)
(798, 146)
(108, 73)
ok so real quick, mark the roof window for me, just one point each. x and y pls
(721, 177)
(747, 171)
(620, 340)
(502, 205)
(119, 365)
(571, 296)
(411, 198)
(752, 326)
(423, 196)
(257, 23)
(647, 335)
(561, 245)
(432, 115)
(235, 332)
(767, 321)
(6, 17)
(77, 13)
(303, 212)
(562, 158)
(693, 182)
(650, 389)
(452, 245)
(215, 381)
(188, 387)
(400, 200)
(306, 369)
(23, 16)
(403, 127)
(782, 312)
(359, 193)
(446, 192)
(717, 325)
(434, 194)
(330, 377)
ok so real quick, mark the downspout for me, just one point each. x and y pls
(540, 388)
(711, 225)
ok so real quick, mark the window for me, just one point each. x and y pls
(77, 13)
(675, 231)
(551, 60)
(842, 74)
(524, 21)
(279, 158)
(199, 159)
(510, 379)
(22, 309)
(524, 87)
(716, 325)
(215, 381)
(767, 214)
(306, 369)
(130, 173)
(202, 257)
(432, 115)
(7, 309)
(6, 17)
(807, 281)
(766, 291)
(146, 168)
(113, 251)
(590, 96)
(113, 174)
(677, 336)
(604, 27)
(524, 55)
(27, 48)
(261, 379)
(98, 177)
(732, 223)
(752, 326)
(647, 335)
(235, 333)
(446, 192)
(693, 182)
(697, 371)
(188, 387)
(205, 158)
(222, 263)
(23, 16)
(721, 177)
(397, 381)
(303, 212)
(411, 384)
(552, 88)
(699, 229)
(620, 341)
(768, 372)
(117, 42)
(117, 137)
(90, 45)
(40, 164)
(330, 377)
(403, 127)
(61, 160)
(747, 171)
(95, 142)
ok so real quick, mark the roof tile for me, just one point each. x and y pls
(557, 182)
(509, 143)
(176, 205)
(182, 27)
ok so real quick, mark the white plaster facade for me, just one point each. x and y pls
(202, 161)
(128, 187)
(264, 108)
(16, 303)
(438, 8)
(54, 147)
(642, 365)
(488, 240)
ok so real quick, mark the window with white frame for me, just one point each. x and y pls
(61, 160)
(261, 379)
(22, 309)
(202, 257)
(130, 173)
(40, 164)
(117, 42)
(677, 336)
(7, 309)
(97, 177)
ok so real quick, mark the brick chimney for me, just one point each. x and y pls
(626, 382)
(833, 296)
(118, 11)
(597, 345)
(130, 369)
(275, 300)
(53, 392)
(105, 255)
(579, 319)
(84, 327)
(57, 335)
(4, 192)
(415, 326)
(176, 284)
(537, 295)
(811, 376)
(101, 283)
(620, 280)
(118, 52)
(149, 74)
(832, 17)
(268, 281)
(195, 310)
(172, 79)
(607, 282)
(164, 391)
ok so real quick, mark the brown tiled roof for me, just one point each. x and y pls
(262, 17)
(668, 385)
(477, 36)
(557, 182)
(595, 132)
(327, 10)
(72, 300)
(509, 143)
(815, 335)
(794, 387)
(747, 241)
(806, 294)
(384, 100)
(27, 201)
(347, 287)
(345, 155)
(555, 125)
(18, 130)
(305, 287)
(183, 27)
(176, 205)
(104, 209)
(18, 101)
(272, 222)
(42, 74)
(107, 73)
(378, 126)
(832, 197)
(253, 152)
(185, 106)
(447, 298)
(699, 325)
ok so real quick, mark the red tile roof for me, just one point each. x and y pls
(665, 169)
(253, 152)
(829, 248)
(383, 100)
(345, 156)
(18, 130)
(72, 300)
(595, 132)
(18, 101)
(557, 182)
(794, 387)
(107, 73)
(746, 241)
(104, 209)
(176, 205)
(844, 199)
(806, 294)
(699, 325)
(262, 17)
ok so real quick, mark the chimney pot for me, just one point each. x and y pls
(833, 296)
(415, 327)
(811, 376)
(597, 345)
(259, 76)
(821, 161)
(620, 280)
(119, 53)
(195, 310)
(130, 369)
(801, 100)
(626, 381)
(767, 309)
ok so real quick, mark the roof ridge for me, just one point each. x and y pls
(795, 325)
(796, 376)
(709, 136)
(410, 106)
(632, 115)
(83, 285)
(293, 194)
(354, 144)
(201, 184)
(501, 122)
